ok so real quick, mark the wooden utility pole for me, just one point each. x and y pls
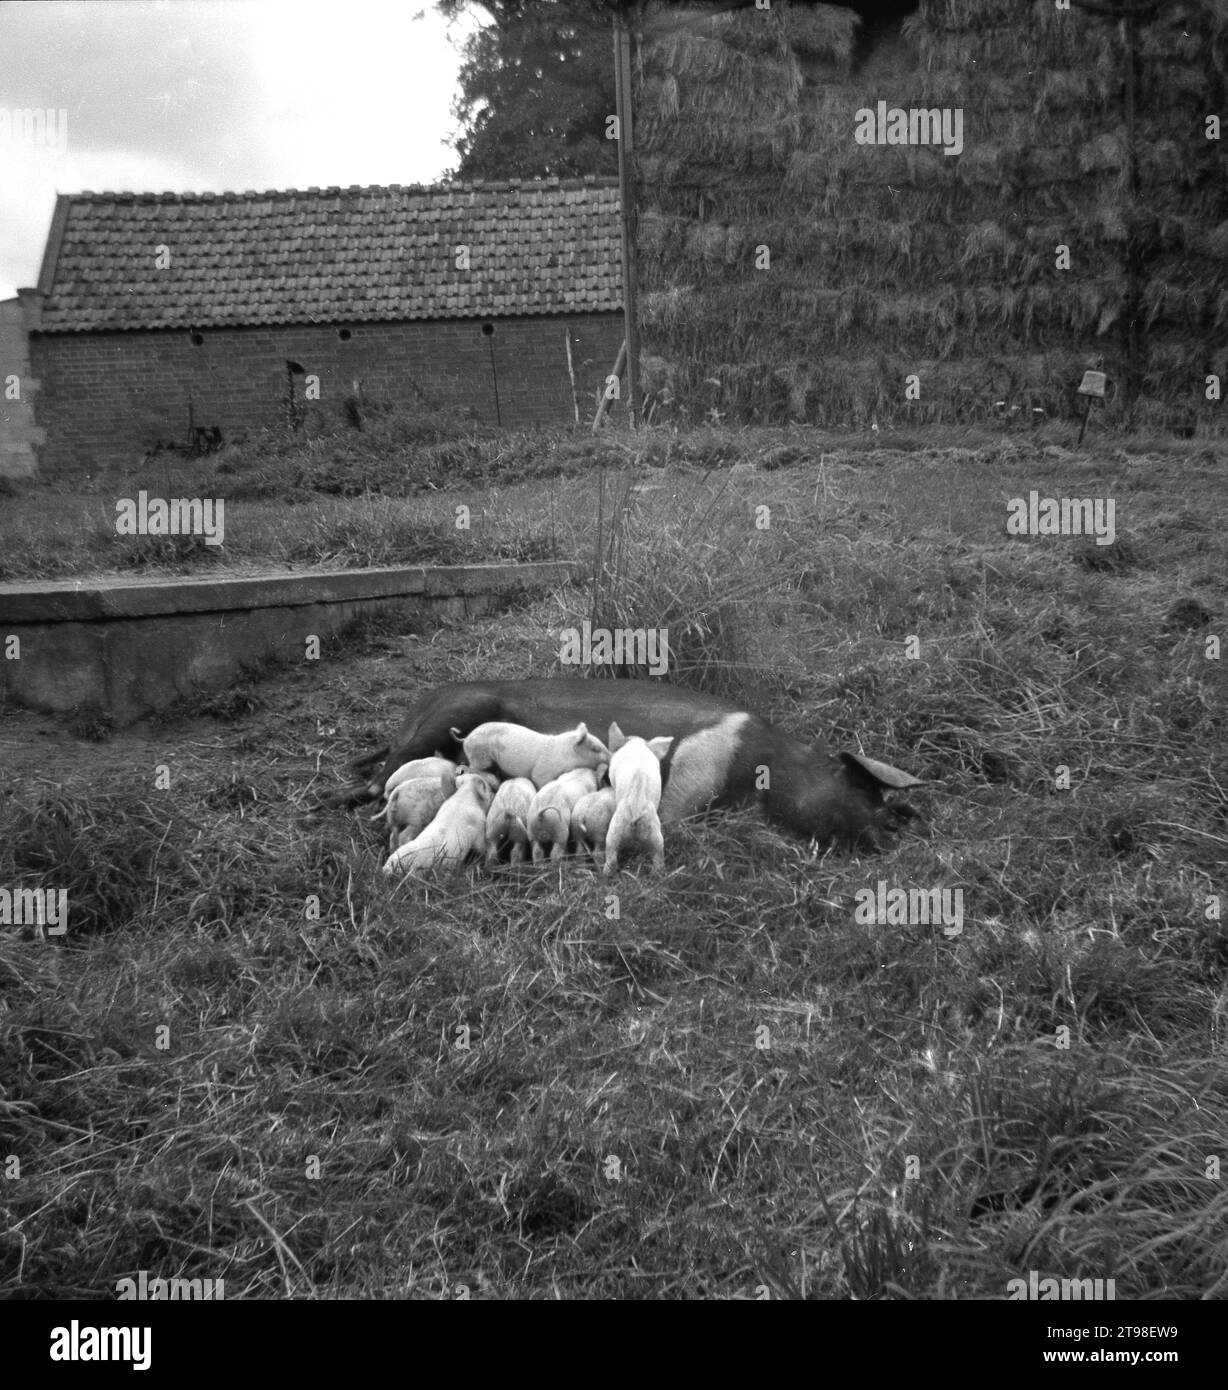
(626, 194)
(1134, 266)
(1129, 13)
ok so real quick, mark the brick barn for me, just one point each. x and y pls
(172, 318)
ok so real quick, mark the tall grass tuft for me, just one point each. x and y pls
(681, 553)
(113, 854)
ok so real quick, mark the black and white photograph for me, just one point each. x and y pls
(611, 662)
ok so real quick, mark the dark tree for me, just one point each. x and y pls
(537, 87)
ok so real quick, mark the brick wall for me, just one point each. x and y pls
(105, 398)
(19, 434)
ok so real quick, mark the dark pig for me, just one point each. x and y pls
(721, 755)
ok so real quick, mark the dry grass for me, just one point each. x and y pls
(343, 498)
(731, 1084)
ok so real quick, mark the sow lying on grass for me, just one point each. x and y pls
(715, 760)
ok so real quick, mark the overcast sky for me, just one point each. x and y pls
(213, 96)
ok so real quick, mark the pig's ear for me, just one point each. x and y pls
(581, 732)
(616, 739)
(863, 771)
(660, 746)
(448, 782)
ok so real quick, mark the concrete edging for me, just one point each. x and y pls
(131, 648)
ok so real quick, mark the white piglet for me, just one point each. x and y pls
(413, 805)
(590, 821)
(490, 778)
(550, 811)
(456, 833)
(419, 768)
(520, 752)
(507, 821)
(635, 778)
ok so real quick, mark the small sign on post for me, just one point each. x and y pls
(1093, 384)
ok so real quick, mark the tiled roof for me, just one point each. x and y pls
(331, 255)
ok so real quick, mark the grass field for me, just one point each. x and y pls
(252, 1059)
